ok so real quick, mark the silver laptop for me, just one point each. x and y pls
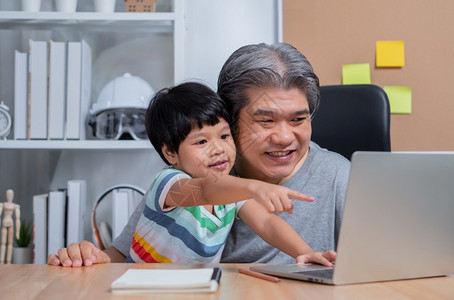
(398, 221)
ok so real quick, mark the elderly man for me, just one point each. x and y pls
(272, 93)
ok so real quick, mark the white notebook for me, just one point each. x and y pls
(167, 281)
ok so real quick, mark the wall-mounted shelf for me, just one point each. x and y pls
(142, 25)
(75, 145)
(123, 21)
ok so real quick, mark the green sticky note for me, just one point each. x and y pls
(390, 54)
(399, 99)
(356, 74)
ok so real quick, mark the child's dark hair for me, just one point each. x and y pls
(174, 112)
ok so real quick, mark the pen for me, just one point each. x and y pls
(258, 275)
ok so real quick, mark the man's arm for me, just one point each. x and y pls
(84, 253)
(279, 234)
(115, 255)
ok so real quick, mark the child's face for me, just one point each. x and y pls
(206, 151)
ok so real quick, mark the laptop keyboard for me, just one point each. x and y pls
(325, 273)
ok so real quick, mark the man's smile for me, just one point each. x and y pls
(280, 153)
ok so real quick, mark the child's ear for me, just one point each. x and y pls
(170, 155)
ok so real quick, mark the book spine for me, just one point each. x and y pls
(85, 88)
(120, 212)
(56, 221)
(77, 194)
(73, 89)
(57, 92)
(40, 228)
(38, 89)
(20, 95)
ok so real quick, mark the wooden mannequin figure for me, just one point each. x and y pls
(7, 225)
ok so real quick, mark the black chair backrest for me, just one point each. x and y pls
(352, 118)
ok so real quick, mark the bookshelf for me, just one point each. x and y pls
(32, 167)
(164, 23)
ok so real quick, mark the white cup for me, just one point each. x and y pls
(68, 6)
(105, 6)
(31, 5)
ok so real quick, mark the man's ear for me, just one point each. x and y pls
(170, 155)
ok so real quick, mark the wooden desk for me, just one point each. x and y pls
(47, 282)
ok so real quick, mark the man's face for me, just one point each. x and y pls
(274, 132)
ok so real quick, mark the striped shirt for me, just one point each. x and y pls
(179, 234)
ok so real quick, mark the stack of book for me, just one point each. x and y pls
(59, 217)
(52, 90)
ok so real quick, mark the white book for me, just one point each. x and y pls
(77, 196)
(120, 212)
(170, 281)
(20, 95)
(57, 89)
(73, 88)
(56, 221)
(38, 89)
(134, 199)
(40, 228)
(85, 88)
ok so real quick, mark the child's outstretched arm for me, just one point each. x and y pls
(279, 234)
(224, 189)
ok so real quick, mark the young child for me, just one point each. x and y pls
(191, 205)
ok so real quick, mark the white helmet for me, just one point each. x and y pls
(125, 91)
(121, 108)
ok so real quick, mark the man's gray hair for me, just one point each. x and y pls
(265, 66)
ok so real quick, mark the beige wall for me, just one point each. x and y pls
(336, 32)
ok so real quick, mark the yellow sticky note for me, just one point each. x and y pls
(399, 99)
(390, 54)
(356, 74)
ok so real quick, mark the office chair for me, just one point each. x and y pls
(352, 118)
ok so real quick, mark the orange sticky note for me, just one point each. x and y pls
(390, 54)
(399, 99)
(356, 74)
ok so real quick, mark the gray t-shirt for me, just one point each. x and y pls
(323, 175)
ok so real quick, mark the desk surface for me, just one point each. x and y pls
(47, 282)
